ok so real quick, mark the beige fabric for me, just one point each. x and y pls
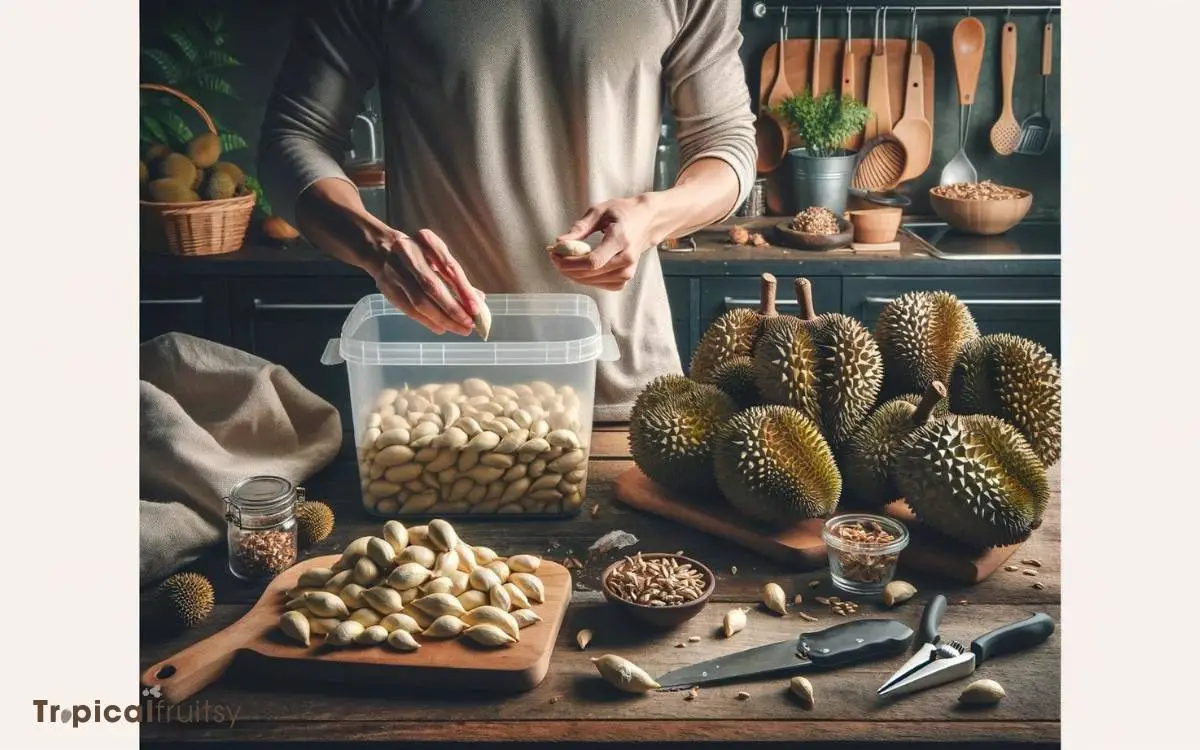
(211, 415)
(505, 120)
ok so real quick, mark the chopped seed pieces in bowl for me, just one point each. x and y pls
(815, 220)
(979, 191)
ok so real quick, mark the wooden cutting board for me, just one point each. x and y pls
(801, 545)
(798, 59)
(457, 664)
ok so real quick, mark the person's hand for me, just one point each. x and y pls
(627, 225)
(413, 275)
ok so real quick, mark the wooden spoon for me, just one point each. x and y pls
(1007, 131)
(879, 99)
(770, 134)
(854, 141)
(913, 130)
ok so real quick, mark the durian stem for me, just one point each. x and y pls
(805, 300)
(767, 296)
(933, 394)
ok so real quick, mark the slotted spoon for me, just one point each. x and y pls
(1006, 132)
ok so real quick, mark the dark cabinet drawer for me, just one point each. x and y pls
(288, 321)
(683, 295)
(198, 307)
(719, 295)
(1028, 306)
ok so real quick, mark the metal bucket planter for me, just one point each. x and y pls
(821, 180)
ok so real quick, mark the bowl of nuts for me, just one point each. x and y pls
(815, 228)
(980, 207)
(863, 550)
(661, 589)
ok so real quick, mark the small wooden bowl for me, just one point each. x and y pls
(876, 225)
(789, 237)
(981, 217)
(671, 615)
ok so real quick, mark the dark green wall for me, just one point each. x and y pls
(259, 33)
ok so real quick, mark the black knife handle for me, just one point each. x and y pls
(1012, 637)
(855, 642)
(931, 619)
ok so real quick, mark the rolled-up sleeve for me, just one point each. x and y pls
(332, 62)
(706, 87)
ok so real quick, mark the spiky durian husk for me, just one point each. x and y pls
(773, 465)
(671, 427)
(184, 599)
(830, 369)
(736, 378)
(731, 335)
(1017, 380)
(314, 522)
(920, 335)
(864, 458)
(974, 479)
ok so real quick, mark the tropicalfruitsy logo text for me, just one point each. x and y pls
(151, 710)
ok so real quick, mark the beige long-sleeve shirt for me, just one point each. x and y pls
(505, 120)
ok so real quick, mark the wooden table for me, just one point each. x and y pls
(575, 706)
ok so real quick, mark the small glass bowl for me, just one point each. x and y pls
(863, 567)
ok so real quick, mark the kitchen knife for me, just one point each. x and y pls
(838, 646)
(927, 637)
(1006, 639)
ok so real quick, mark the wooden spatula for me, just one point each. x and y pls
(879, 99)
(848, 77)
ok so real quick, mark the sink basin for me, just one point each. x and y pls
(1029, 240)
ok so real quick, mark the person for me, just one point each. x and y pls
(509, 125)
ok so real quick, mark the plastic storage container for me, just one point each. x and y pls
(454, 426)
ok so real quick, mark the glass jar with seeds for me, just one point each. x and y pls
(261, 535)
(863, 550)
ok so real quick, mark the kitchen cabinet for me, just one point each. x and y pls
(1028, 306)
(289, 320)
(720, 294)
(198, 306)
(683, 295)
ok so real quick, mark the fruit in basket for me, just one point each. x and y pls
(1017, 380)
(736, 378)
(155, 151)
(920, 335)
(176, 167)
(974, 479)
(143, 173)
(218, 186)
(234, 172)
(773, 465)
(733, 334)
(167, 190)
(827, 366)
(278, 229)
(184, 599)
(671, 429)
(204, 150)
(866, 456)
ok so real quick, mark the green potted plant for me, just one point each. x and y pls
(823, 168)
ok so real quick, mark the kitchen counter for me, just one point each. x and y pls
(572, 703)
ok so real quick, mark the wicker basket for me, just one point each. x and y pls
(203, 228)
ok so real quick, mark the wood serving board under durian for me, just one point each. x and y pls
(786, 420)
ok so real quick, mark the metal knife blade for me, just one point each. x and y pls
(838, 646)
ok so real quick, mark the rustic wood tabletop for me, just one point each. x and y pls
(573, 705)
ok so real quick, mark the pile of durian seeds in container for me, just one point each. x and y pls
(422, 581)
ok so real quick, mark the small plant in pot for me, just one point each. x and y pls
(823, 169)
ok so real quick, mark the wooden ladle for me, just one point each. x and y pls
(770, 134)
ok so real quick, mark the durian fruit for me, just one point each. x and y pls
(184, 599)
(827, 366)
(155, 151)
(920, 335)
(167, 190)
(866, 456)
(204, 150)
(177, 167)
(143, 173)
(735, 377)
(234, 172)
(671, 427)
(314, 522)
(218, 186)
(1017, 380)
(972, 478)
(733, 334)
(773, 465)
(278, 229)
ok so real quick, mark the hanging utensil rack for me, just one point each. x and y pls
(761, 9)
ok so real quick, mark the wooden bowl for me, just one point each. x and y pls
(671, 615)
(876, 225)
(981, 217)
(789, 237)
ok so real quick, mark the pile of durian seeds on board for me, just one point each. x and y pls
(413, 585)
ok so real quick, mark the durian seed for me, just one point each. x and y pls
(583, 638)
(773, 598)
(694, 639)
(1039, 585)
(982, 693)
(624, 674)
(897, 592)
(743, 695)
(295, 626)
(803, 690)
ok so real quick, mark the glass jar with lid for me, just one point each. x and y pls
(261, 516)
